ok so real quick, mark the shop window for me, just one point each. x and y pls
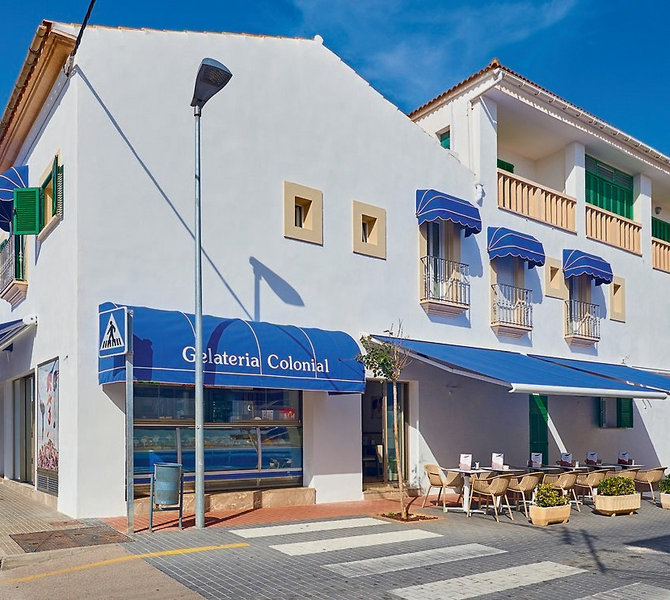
(505, 166)
(445, 139)
(303, 213)
(369, 230)
(615, 412)
(554, 282)
(618, 299)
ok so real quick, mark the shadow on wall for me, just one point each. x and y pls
(534, 283)
(472, 256)
(281, 288)
(599, 299)
(78, 71)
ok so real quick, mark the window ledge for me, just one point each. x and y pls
(48, 228)
(441, 307)
(15, 292)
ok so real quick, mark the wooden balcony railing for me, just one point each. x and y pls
(535, 201)
(660, 254)
(612, 229)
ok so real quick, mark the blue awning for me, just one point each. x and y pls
(623, 373)
(16, 177)
(506, 242)
(237, 353)
(519, 372)
(12, 330)
(576, 262)
(432, 205)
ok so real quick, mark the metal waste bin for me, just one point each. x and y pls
(166, 490)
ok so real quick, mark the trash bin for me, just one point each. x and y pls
(166, 490)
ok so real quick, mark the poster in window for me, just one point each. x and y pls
(47, 416)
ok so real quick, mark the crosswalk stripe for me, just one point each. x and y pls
(471, 586)
(357, 541)
(411, 560)
(256, 532)
(634, 591)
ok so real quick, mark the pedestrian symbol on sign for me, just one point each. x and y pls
(112, 337)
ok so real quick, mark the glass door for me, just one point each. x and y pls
(24, 429)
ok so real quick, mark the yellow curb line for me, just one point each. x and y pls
(123, 559)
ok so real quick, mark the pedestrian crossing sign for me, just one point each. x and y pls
(113, 327)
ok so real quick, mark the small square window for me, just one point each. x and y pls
(369, 230)
(303, 213)
(445, 138)
(555, 286)
(617, 310)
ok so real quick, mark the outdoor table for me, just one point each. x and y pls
(466, 488)
(510, 470)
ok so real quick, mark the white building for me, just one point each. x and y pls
(310, 188)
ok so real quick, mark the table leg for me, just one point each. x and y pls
(466, 493)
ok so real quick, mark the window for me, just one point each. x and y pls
(445, 139)
(660, 229)
(614, 412)
(303, 213)
(608, 188)
(554, 282)
(618, 299)
(505, 166)
(369, 230)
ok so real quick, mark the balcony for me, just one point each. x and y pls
(446, 286)
(511, 310)
(532, 200)
(612, 229)
(660, 254)
(13, 284)
(582, 323)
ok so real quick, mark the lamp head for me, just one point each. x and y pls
(212, 77)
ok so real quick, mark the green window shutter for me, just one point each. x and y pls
(624, 412)
(58, 193)
(660, 229)
(445, 139)
(505, 166)
(27, 211)
(609, 188)
(601, 411)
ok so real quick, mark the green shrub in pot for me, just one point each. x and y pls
(546, 496)
(616, 486)
(664, 485)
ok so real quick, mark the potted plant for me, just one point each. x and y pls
(664, 488)
(549, 507)
(617, 496)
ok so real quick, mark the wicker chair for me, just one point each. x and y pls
(439, 479)
(587, 481)
(566, 484)
(524, 485)
(630, 473)
(493, 487)
(650, 477)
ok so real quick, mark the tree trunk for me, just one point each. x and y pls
(398, 457)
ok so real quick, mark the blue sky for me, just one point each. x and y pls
(608, 56)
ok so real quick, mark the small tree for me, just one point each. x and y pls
(387, 359)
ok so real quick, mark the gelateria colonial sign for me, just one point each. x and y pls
(236, 353)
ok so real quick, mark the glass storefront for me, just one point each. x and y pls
(253, 437)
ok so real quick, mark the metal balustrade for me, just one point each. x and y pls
(512, 306)
(582, 320)
(12, 266)
(445, 281)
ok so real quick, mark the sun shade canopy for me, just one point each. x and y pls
(432, 205)
(16, 177)
(576, 262)
(504, 242)
(519, 372)
(237, 353)
(623, 373)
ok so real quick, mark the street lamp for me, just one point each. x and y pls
(211, 78)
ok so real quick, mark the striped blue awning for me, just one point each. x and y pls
(576, 262)
(505, 242)
(16, 177)
(432, 205)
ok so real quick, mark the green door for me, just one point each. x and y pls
(539, 432)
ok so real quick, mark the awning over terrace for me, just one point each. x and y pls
(432, 205)
(13, 330)
(521, 373)
(504, 242)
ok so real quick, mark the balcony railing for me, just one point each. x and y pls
(511, 309)
(660, 254)
(612, 229)
(12, 270)
(582, 324)
(446, 285)
(535, 201)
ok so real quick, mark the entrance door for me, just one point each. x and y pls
(24, 429)
(538, 429)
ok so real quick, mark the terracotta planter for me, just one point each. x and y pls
(553, 514)
(617, 505)
(665, 500)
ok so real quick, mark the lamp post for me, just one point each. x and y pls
(211, 78)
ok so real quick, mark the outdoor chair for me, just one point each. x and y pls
(522, 486)
(630, 473)
(450, 480)
(494, 488)
(566, 484)
(650, 477)
(587, 481)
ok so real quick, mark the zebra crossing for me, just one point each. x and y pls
(363, 532)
